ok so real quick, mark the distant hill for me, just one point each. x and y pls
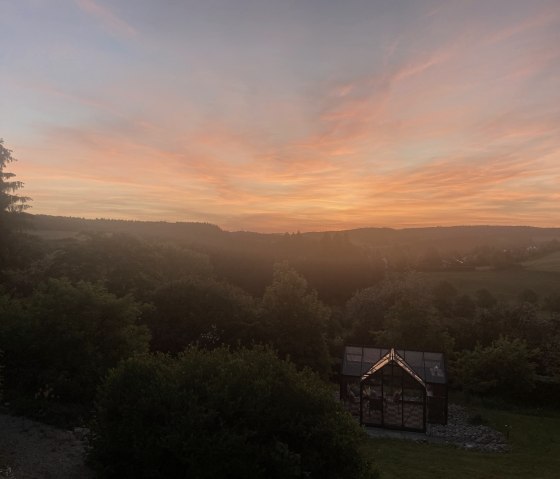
(453, 238)
(457, 238)
(506, 259)
(41, 223)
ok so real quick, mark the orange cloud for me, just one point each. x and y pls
(453, 134)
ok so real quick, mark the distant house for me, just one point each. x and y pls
(394, 388)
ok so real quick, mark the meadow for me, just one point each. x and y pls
(535, 452)
(542, 275)
(549, 263)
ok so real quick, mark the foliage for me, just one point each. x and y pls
(410, 326)
(502, 284)
(505, 368)
(444, 295)
(552, 303)
(399, 312)
(295, 320)
(11, 204)
(485, 299)
(123, 263)
(60, 342)
(200, 310)
(368, 308)
(214, 414)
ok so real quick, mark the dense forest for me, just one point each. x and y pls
(335, 263)
(189, 348)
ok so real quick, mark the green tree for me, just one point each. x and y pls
(444, 294)
(528, 296)
(397, 312)
(221, 414)
(413, 326)
(11, 204)
(295, 320)
(552, 303)
(504, 368)
(199, 310)
(125, 264)
(61, 341)
(485, 299)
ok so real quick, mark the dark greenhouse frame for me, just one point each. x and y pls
(395, 388)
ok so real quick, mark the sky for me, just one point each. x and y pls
(285, 115)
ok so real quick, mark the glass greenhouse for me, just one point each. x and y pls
(394, 388)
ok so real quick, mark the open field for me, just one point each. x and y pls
(550, 263)
(505, 284)
(535, 453)
(54, 235)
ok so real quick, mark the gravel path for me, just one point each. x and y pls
(458, 432)
(461, 432)
(37, 451)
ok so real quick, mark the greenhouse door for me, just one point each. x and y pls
(392, 387)
(403, 400)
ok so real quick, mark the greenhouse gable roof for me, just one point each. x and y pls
(430, 367)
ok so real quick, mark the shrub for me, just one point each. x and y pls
(214, 414)
(199, 310)
(504, 368)
(61, 342)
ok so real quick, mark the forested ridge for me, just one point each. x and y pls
(336, 263)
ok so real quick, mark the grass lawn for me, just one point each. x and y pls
(535, 452)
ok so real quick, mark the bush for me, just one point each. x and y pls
(61, 342)
(199, 310)
(505, 368)
(215, 414)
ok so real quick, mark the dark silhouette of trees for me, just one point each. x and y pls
(211, 414)
(11, 204)
(199, 310)
(397, 311)
(60, 342)
(295, 320)
(505, 367)
(9, 201)
(125, 264)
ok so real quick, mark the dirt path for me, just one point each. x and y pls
(37, 451)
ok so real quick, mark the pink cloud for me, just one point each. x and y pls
(107, 17)
(437, 136)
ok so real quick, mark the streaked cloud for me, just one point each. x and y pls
(451, 116)
(107, 17)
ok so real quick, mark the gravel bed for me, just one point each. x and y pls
(33, 450)
(460, 432)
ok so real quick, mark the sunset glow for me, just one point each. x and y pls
(284, 116)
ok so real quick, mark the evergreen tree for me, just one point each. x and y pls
(11, 205)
